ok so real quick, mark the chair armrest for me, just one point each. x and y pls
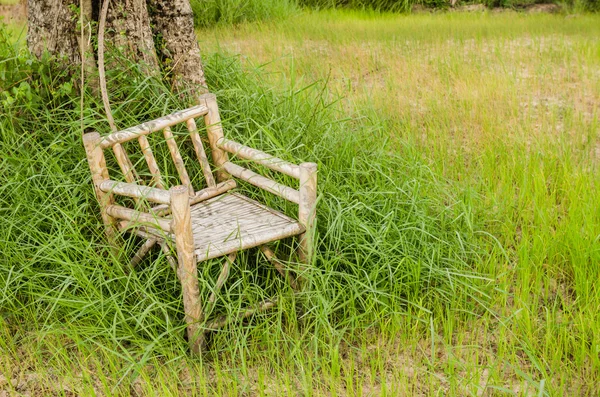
(262, 182)
(136, 191)
(248, 153)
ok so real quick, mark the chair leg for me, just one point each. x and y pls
(221, 279)
(224, 320)
(213, 296)
(271, 257)
(172, 261)
(307, 212)
(139, 255)
(188, 271)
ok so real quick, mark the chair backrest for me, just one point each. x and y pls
(118, 140)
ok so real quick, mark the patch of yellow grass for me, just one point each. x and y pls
(445, 76)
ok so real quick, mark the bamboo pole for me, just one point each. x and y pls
(119, 137)
(187, 270)
(117, 211)
(136, 191)
(199, 196)
(224, 320)
(97, 163)
(200, 153)
(178, 160)
(214, 131)
(271, 257)
(229, 259)
(307, 209)
(248, 153)
(263, 182)
(151, 161)
(139, 255)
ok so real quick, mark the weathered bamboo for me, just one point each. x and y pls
(271, 257)
(119, 212)
(307, 209)
(214, 131)
(136, 191)
(262, 182)
(188, 272)
(221, 226)
(97, 163)
(214, 191)
(224, 320)
(142, 232)
(172, 261)
(152, 126)
(259, 157)
(176, 156)
(139, 255)
(229, 259)
(200, 196)
(200, 153)
(151, 161)
(249, 241)
(125, 164)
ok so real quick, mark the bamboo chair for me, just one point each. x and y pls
(207, 223)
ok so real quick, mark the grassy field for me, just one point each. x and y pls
(503, 110)
(459, 219)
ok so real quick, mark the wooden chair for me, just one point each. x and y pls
(207, 223)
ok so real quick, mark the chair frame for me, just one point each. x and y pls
(178, 200)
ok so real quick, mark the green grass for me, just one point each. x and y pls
(459, 225)
(228, 12)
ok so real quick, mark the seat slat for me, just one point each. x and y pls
(178, 160)
(232, 222)
(214, 250)
(200, 195)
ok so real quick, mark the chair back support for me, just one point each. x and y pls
(206, 109)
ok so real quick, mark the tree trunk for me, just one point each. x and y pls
(128, 29)
(173, 21)
(53, 27)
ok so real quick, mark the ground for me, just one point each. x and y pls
(504, 108)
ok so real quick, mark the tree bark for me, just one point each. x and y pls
(128, 29)
(53, 27)
(173, 23)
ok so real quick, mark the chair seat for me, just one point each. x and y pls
(232, 222)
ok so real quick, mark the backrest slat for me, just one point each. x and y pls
(200, 153)
(125, 164)
(178, 160)
(151, 161)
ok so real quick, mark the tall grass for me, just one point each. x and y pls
(389, 240)
(516, 142)
(465, 147)
(374, 5)
(211, 12)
